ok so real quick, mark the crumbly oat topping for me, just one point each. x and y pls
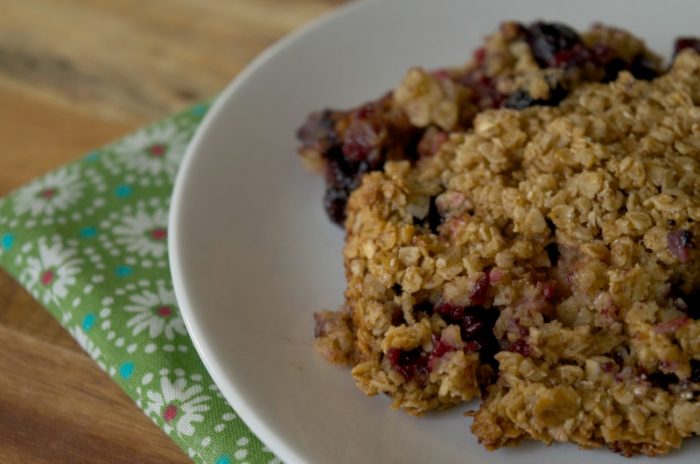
(519, 66)
(542, 257)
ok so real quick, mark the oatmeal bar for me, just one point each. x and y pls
(546, 258)
(616, 169)
(519, 66)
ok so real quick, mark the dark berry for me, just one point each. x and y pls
(334, 201)
(408, 363)
(397, 317)
(342, 177)
(549, 42)
(692, 302)
(686, 42)
(433, 219)
(679, 244)
(521, 99)
(619, 355)
(477, 327)
(612, 68)
(662, 380)
(642, 68)
(340, 182)
(518, 100)
(425, 307)
(472, 347)
(695, 371)
(472, 325)
(552, 253)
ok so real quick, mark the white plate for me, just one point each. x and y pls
(253, 255)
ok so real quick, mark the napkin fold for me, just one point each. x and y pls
(89, 242)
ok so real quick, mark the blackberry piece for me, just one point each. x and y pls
(686, 42)
(552, 44)
(521, 99)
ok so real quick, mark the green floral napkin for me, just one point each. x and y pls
(89, 241)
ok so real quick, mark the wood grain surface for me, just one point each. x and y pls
(75, 74)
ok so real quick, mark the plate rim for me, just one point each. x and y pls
(258, 427)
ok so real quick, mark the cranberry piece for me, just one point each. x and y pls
(521, 346)
(364, 136)
(484, 92)
(471, 347)
(549, 291)
(550, 42)
(318, 131)
(671, 326)
(610, 367)
(679, 244)
(604, 57)
(476, 326)
(686, 42)
(611, 312)
(440, 349)
(361, 140)
(408, 363)
(451, 313)
(480, 289)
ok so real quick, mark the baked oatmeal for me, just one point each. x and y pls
(517, 67)
(540, 256)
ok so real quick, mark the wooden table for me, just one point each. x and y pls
(75, 74)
